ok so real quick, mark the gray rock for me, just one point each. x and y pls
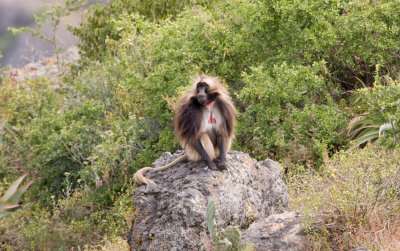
(47, 67)
(171, 214)
(277, 232)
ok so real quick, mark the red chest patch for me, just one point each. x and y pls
(211, 119)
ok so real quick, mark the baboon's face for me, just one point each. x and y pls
(202, 93)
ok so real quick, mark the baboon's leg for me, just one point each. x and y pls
(205, 148)
(221, 142)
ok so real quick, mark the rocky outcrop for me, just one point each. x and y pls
(250, 195)
(277, 232)
(48, 67)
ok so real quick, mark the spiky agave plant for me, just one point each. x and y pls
(364, 129)
(376, 109)
(13, 194)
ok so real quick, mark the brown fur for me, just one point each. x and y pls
(191, 128)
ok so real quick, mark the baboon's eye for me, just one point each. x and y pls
(202, 87)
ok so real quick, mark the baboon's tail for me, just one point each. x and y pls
(139, 175)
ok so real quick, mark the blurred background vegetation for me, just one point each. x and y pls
(316, 83)
(25, 48)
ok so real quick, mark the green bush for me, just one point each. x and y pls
(376, 112)
(97, 26)
(73, 222)
(351, 36)
(131, 139)
(47, 135)
(289, 114)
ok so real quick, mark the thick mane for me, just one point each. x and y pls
(228, 113)
(187, 120)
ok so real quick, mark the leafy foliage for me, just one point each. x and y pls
(74, 220)
(289, 112)
(97, 26)
(53, 142)
(304, 32)
(377, 111)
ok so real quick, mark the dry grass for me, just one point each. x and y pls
(354, 201)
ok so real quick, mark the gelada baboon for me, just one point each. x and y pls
(204, 124)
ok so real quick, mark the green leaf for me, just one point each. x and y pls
(17, 196)
(12, 189)
(372, 135)
(6, 206)
(384, 128)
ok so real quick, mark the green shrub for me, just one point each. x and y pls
(351, 36)
(289, 114)
(73, 222)
(376, 112)
(132, 138)
(47, 135)
(97, 26)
